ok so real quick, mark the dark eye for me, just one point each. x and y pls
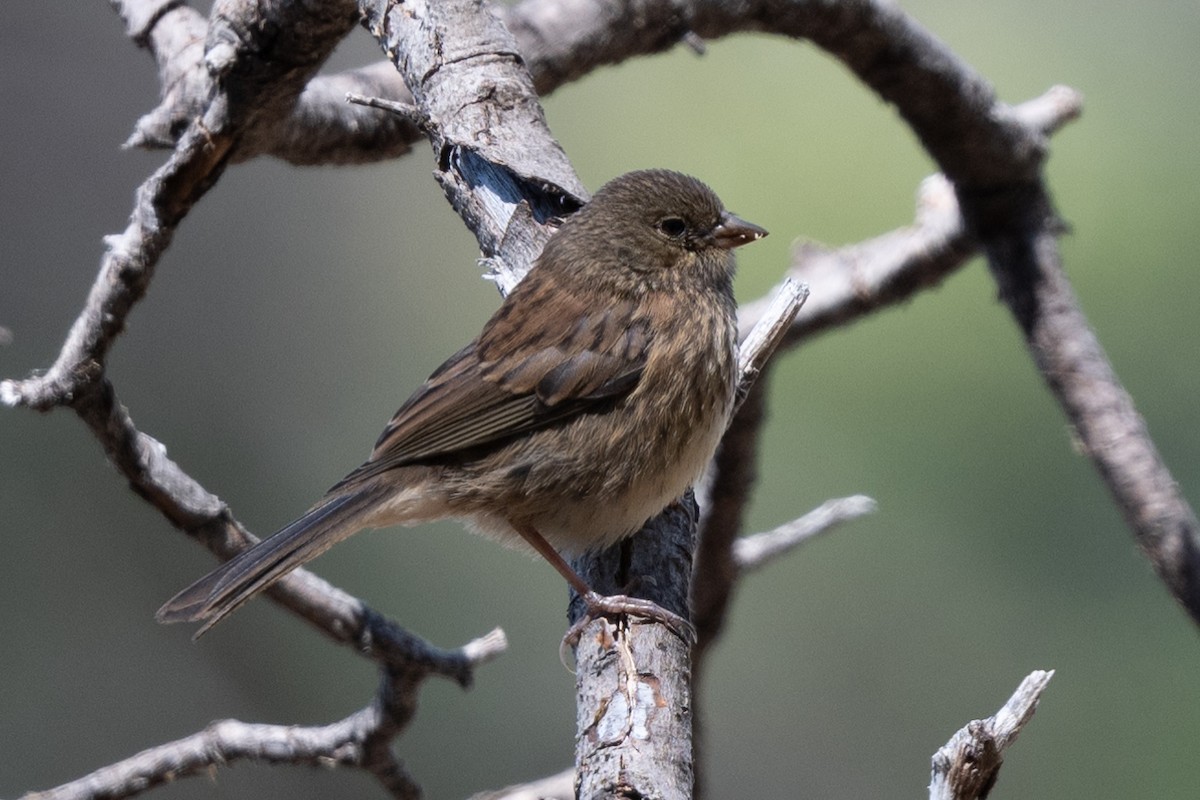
(673, 227)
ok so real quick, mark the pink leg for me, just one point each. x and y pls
(599, 605)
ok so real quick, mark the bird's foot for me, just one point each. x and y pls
(597, 606)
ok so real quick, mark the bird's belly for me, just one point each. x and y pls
(577, 517)
(599, 478)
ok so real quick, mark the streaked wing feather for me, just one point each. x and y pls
(515, 379)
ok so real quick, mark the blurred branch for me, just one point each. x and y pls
(753, 552)
(966, 767)
(846, 283)
(1018, 232)
(856, 280)
(361, 740)
(560, 786)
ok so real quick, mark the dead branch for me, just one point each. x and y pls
(966, 767)
(361, 740)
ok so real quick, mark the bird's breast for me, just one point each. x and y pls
(600, 476)
(655, 442)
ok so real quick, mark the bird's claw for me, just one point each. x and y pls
(597, 606)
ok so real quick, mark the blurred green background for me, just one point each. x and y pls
(297, 308)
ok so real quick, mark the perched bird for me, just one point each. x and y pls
(593, 397)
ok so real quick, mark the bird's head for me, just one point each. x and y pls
(653, 227)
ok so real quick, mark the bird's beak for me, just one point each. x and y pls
(733, 231)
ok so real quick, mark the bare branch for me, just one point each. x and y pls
(889, 51)
(753, 552)
(405, 110)
(125, 272)
(241, 80)
(768, 332)
(360, 740)
(966, 767)
(846, 283)
(560, 786)
(465, 74)
(227, 742)
(1024, 257)
(859, 279)
(633, 716)
(239, 83)
(76, 379)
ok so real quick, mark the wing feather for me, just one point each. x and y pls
(558, 360)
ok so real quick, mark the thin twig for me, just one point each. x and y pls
(406, 111)
(753, 552)
(768, 332)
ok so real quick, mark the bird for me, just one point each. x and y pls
(591, 400)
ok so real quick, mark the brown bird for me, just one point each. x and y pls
(592, 399)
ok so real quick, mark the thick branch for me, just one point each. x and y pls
(633, 714)
(492, 147)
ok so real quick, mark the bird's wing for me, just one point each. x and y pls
(558, 360)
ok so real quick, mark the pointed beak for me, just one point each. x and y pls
(733, 231)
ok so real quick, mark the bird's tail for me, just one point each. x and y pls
(223, 590)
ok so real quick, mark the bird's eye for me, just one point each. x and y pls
(673, 227)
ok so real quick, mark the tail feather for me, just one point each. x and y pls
(223, 590)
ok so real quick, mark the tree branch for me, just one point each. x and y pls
(560, 786)
(491, 144)
(847, 283)
(1018, 230)
(248, 74)
(77, 377)
(754, 552)
(361, 740)
(856, 280)
(966, 767)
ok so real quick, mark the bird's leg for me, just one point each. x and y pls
(599, 605)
